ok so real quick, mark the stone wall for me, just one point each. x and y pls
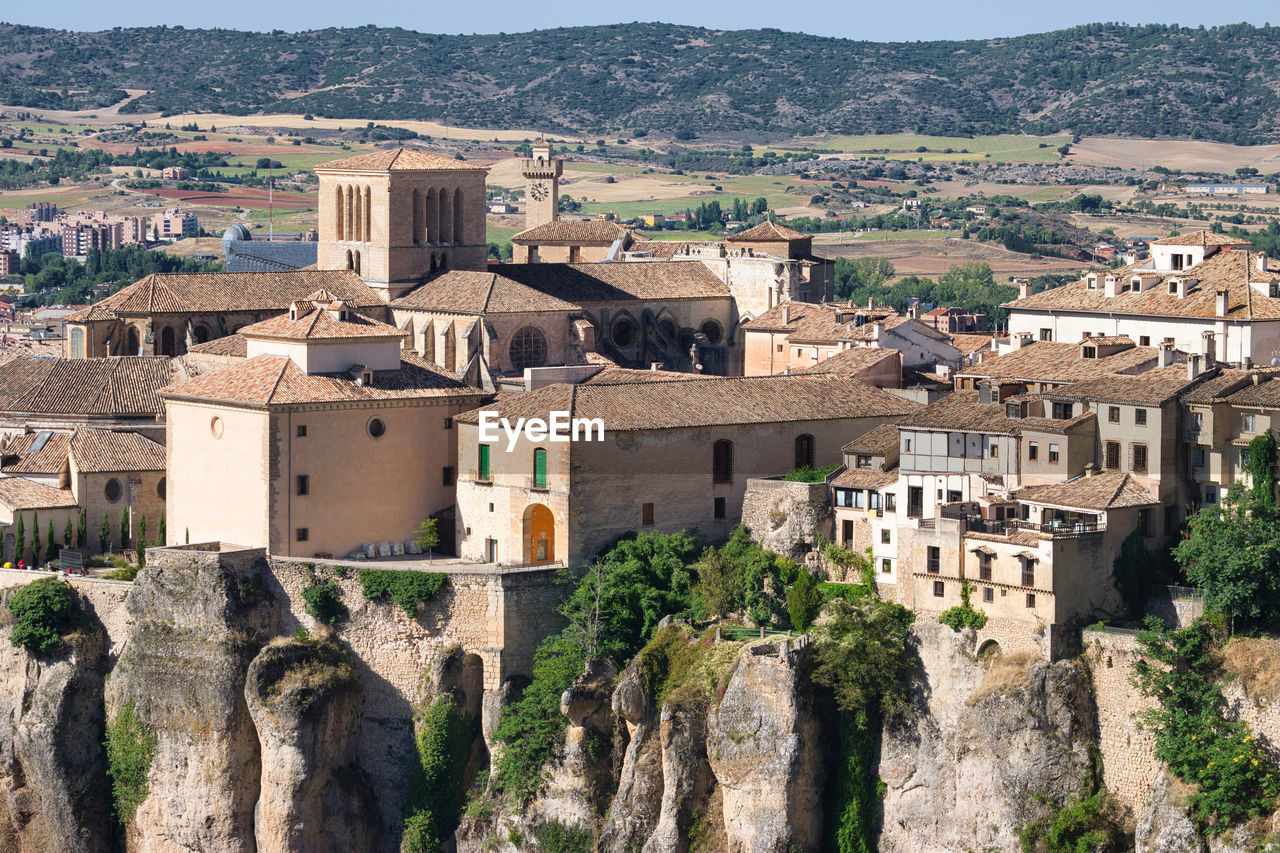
(1129, 765)
(105, 598)
(786, 517)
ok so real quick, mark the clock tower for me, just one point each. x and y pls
(542, 185)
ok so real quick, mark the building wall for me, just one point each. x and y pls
(29, 519)
(140, 496)
(331, 356)
(523, 252)
(432, 331)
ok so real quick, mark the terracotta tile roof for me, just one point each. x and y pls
(666, 248)
(612, 281)
(627, 374)
(1046, 361)
(21, 493)
(99, 451)
(466, 292)
(397, 160)
(1058, 425)
(228, 345)
(49, 459)
(874, 442)
(1201, 238)
(1229, 270)
(1153, 387)
(190, 293)
(854, 360)
(861, 478)
(698, 402)
(124, 386)
(267, 380)
(1109, 340)
(1265, 395)
(578, 231)
(960, 411)
(767, 232)
(826, 322)
(320, 324)
(1102, 491)
(971, 343)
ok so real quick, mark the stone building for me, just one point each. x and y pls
(675, 454)
(571, 241)
(325, 437)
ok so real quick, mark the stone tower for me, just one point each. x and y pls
(542, 186)
(399, 216)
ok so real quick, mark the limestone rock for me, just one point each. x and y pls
(636, 806)
(53, 786)
(629, 700)
(686, 777)
(306, 702)
(765, 744)
(196, 626)
(1165, 824)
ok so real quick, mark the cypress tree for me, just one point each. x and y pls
(20, 540)
(82, 531)
(50, 546)
(124, 529)
(66, 534)
(104, 534)
(35, 538)
(160, 534)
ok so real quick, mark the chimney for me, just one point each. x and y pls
(1090, 469)
(871, 303)
(1109, 286)
(1256, 377)
(876, 330)
(1020, 340)
(1024, 287)
(1193, 367)
(1179, 286)
(786, 314)
(1262, 262)
(1222, 303)
(1165, 357)
(914, 310)
(1207, 347)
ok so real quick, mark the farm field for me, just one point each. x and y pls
(1006, 147)
(934, 255)
(1184, 154)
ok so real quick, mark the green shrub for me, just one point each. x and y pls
(556, 837)
(127, 573)
(405, 588)
(851, 591)
(131, 746)
(1083, 825)
(324, 601)
(963, 615)
(42, 613)
(806, 474)
(436, 795)
(804, 600)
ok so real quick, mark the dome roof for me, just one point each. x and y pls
(236, 232)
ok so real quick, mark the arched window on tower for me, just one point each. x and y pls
(446, 217)
(417, 218)
(339, 224)
(368, 215)
(351, 262)
(432, 216)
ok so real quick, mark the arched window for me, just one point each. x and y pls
(357, 263)
(623, 331)
(337, 213)
(112, 492)
(446, 217)
(432, 216)
(132, 343)
(351, 213)
(77, 342)
(200, 333)
(417, 217)
(168, 341)
(457, 216)
(368, 216)
(351, 261)
(722, 461)
(712, 330)
(539, 468)
(804, 451)
(528, 348)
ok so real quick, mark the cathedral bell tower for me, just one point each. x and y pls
(542, 185)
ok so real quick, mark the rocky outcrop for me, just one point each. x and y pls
(636, 806)
(53, 784)
(989, 751)
(786, 517)
(305, 701)
(764, 742)
(686, 777)
(195, 629)
(1165, 825)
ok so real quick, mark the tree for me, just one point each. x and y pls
(428, 536)
(67, 535)
(585, 622)
(124, 529)
(160, 532)
(142, 542)
(20, 540)
(82, 533)
(35, 539)
(50, 545)
(104, 534)
(718, 591)
(804, 600)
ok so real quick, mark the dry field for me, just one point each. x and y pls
(1187, 155)
(934, 257)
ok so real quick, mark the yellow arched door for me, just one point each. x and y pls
(540, 535)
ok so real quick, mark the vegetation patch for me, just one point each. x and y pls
(1005, 672)
(405, 588)
(323, 601)
(42, 613)
(131, 746)
(851, 591)
(807, 474)
(1083, 825)
(436, 784)
(963, 615)
(1256, 662)
(556, 837)
(323, 667)
(678, 670)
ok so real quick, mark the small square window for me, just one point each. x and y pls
(933, 563)
(885, 536)
(448, 423)
(1144, 340)
(1140, 417)
(447, 475)
(490, 507)
(1197, 457)
(1053, 454)
(1248, 422)
(1210, 496)
(646, 515)
(304, 484)
(1113, 414)
(988, 594)
(779, 347)
(886, 566)
(864, 461)
(953, 496)
(995, 451)
(1031, 599)
(890, 502)
(302, 430)
(939, 589)
(1033, 451)
(1139, 458)
(719, 508)
(303, 534)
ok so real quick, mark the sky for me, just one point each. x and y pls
(874, 21)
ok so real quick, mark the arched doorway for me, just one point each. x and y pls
(168, 341)
(539, 535)
(132, 343)
(200, 333)
(988, 649)
(804, 451)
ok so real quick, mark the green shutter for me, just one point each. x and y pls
(484, 462)
(540, 468)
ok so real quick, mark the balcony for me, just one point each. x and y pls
(1056, 529)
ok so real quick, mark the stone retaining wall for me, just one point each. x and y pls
(1129, 765)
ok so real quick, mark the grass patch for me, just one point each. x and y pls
(1256, 663)
(806, 474)
(131, 747)
(405, 588)
(42, 614)
(1007, 147)
(556, 837)
(1006, 672)
(849, 591)
(322, 665)
(677, 669)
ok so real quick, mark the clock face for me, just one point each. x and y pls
(538, 191)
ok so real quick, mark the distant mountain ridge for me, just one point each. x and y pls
(1152, 81)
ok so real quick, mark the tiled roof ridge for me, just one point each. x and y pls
(284, 368)
(488, 293)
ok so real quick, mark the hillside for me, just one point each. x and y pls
(1152, 81)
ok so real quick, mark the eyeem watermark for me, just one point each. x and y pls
(561, 427)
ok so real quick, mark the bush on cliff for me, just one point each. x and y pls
(131, 746)
(436, 794)
(323, 601)
(963, 615)
(42, 613)
(405, 588)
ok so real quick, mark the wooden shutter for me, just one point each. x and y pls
(540, 468)
(484, 462)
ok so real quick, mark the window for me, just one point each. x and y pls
(1031, 600)
(1111, 455)
(1033, 451)
(446, 479)
(1113, 414)
(483, 468)
(722, 461)
(623, 332)
(1063, 411)
(995, 451)
(1046, 334)
(864, 461)
(1053, 454)
(915, 501)
(112, 492)
(448, 423)
(302, 534)
(859, 499)
(939, 589)
(984, 567)
(885, 536)
(1089, 352)
(528, 348)
(988, 594)
(719, 508)
(1144, 340)
(377, 428)
(539, 468)
(302, 430)
(646, 515)
(804, 451)
(1144, 522)
(906, 448)
(216, 427)
(1248, 422)
(1138, 460)
(1197, 457)
(1197, 421)
(1028, 573)
(162, 487)
(934, 560)
(304, 484)
(886, 566)
(712, 330)
(1210, 495)
(1140, 417)
(779, 347)
(954, 496)
(890, 502)
(846, 531)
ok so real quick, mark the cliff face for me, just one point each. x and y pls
(195, 630)
(52, 765)
(987, 750)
